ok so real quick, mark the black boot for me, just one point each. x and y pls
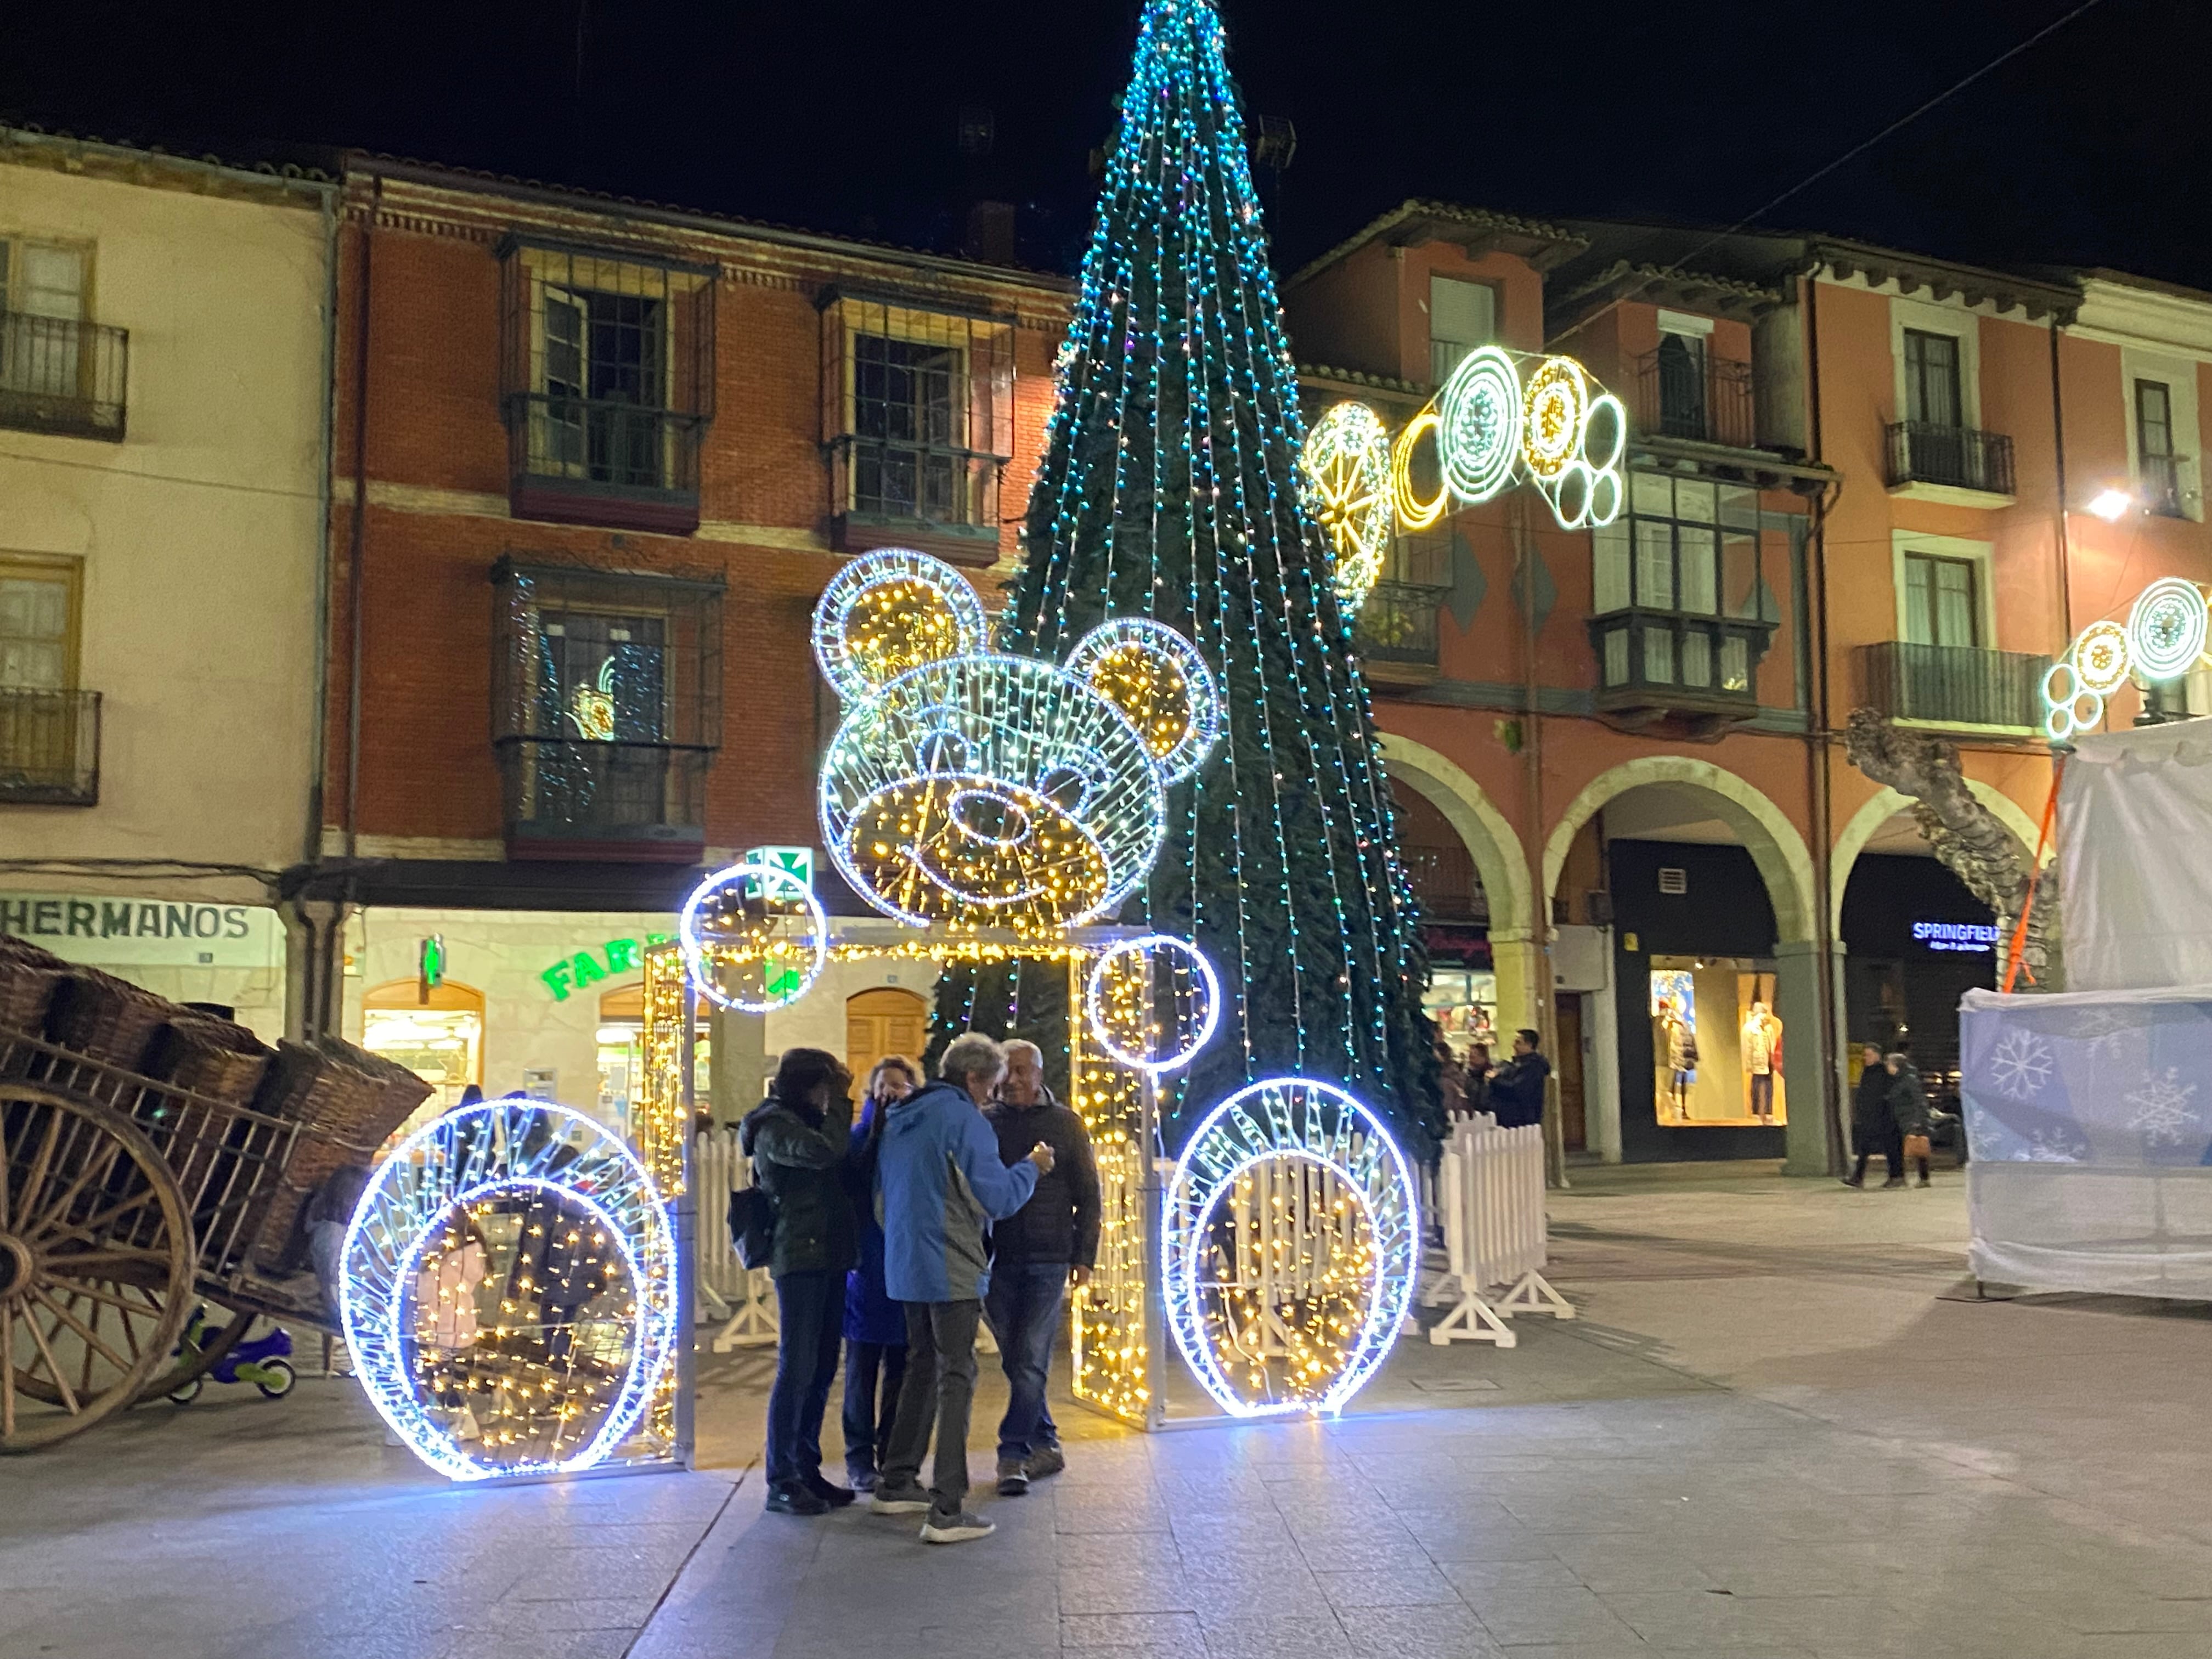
(793, 1497)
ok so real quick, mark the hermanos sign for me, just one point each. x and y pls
(112, 931)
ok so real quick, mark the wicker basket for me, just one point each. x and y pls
(106, 1018)
(208, 1057)
(27, 978)
(348, 1102)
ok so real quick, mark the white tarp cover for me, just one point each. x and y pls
(2135, 829)
(2088, 1118)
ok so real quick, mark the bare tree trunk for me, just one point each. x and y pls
(1967, 838)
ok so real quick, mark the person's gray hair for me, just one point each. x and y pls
(1026, 1046)
(971, 1054)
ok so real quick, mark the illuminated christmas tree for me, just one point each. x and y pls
(1169, 489)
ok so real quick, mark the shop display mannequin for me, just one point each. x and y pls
(1681, 1058)
(1762, 1058)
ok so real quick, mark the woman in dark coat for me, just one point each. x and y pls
(799, 1139)
(1908, 1106)
(875, 1326)
(1872, 1126)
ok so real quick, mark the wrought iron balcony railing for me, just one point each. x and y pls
(1920, 451)
(936, 487)
(1396, 634)
(49, 747)
(1960, 684)
(591, 461)
(58, 374)
(1707, 400)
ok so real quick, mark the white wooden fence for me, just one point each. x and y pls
(1490, 1192)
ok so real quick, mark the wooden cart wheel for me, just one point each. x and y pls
(96, 1262)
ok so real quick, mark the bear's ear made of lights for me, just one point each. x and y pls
(1157, 677)
(889, 612)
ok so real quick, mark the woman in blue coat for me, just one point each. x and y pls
(875, 1326)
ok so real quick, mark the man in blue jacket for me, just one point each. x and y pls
(939, 1186)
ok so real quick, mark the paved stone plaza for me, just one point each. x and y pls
(1775, 1432)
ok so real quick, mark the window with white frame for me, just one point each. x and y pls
(1463, 315)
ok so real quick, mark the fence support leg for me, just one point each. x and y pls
(1534, 1294)
(1474, 1321)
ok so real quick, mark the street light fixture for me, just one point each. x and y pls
(2110, 503)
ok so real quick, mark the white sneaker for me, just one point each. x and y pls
(958, 1530)
(898, 1500)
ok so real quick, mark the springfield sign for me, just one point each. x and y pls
(108, 931)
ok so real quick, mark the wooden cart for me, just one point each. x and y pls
(124, 1202)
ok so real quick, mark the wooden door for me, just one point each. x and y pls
(882, 1022)
(1573, 1132)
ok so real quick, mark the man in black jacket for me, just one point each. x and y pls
(1516, 1088)
(1034, 1254)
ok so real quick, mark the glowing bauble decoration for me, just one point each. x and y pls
(1153, 1002)
(2166, 628)
(508, 1290)
(891, 611)
(1553, 410)
(1156, 676)
(2068, 704)
(1479, 412)
(1347, 474)
(2101, 657)
(753, 937)
(1290, 1238)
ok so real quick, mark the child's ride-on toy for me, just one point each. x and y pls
(264, 1361)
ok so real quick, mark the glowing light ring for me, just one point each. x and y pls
(775, 883)
(1479, 431)
(1347, 480)
(1554, 410)
(1201, 694)
(2100, 658)
(1609, 495)
(1028, 735)
(1604, 409)
(2166, 628)
(1412, 512)
(894, 576)
(1188, 959)
(1571, 491)
(1293, 1118)
(494, 1148)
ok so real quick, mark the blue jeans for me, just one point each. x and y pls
(1024, 1308)
(811, 1308)
(868, 1419)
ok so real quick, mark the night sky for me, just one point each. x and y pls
(841, 115)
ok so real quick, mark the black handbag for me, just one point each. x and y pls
(752, 1226)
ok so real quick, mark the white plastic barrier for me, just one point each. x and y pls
(719, 1169)
(1490, 1191)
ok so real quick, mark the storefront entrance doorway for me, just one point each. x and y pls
(437, 1035)
(882, 1022)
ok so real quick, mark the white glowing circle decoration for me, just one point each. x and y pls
(1336, 1288)
(1130, 987)
(1605, 433)
(2101, 658)
(1347, 480)
(1157, 678)
(992, 791)
(2166, 628)
(1478, 414)
(754, 938)
(511, 1368)
(891, 611)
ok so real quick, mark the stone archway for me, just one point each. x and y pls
(1764, 829)
(1490, 839)
(1884, 805)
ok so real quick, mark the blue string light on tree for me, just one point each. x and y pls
(508, 1290)
(1291, 1242)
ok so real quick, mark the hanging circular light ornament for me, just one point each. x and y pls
(1416, 511)
(1275, 1317)
(508, 1290)
(1153, 1002)
(1605, 433)
(1479, 414)
(2166, 628)
(1555, 409)
(2068, 704)
(1609, 493)
(891, 611)
(754, 938)
(1572, 492)
(1346, 482)
(1157, 678)
(2100, 658)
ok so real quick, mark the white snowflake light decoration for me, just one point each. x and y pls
(2162, 1109)
(2021, 1065)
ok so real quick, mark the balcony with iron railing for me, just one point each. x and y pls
(1952, 684)
(1700, 398)
(49, 747)
(582, 461)
(1395, 633)
(1922, 453)
(942, 498)
(60, 375)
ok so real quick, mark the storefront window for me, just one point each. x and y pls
(1463, 1002)
(439, 1037)
(1715, 1042)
